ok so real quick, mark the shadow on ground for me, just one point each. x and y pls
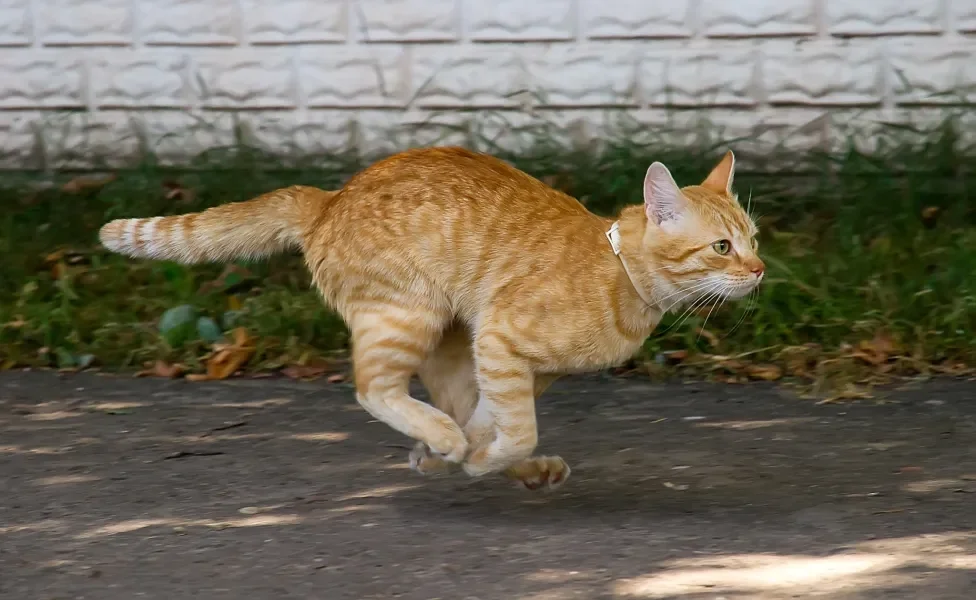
(115, 488)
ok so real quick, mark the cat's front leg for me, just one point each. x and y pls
(502, 431)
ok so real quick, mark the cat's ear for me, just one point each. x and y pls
(720, 179)
(663, 200)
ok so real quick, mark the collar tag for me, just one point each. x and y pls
(613, 235)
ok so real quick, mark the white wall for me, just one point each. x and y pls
(89, 79)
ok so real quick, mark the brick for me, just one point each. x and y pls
(15, 26)
(406, 20)
(767, 18)
(84, 140)
(883, 17)
(189, 22)
(389, 131)
(289, 134)
(352, 77)
(173, 137)
(622, 19)
(147, 79)
(475, 77)
(519, 20)
(588, 75)
(294, 21)
(822, 74)
(86, 23)
(933, 75)
(238, 78)
(699, 77)
(39, 79)
(19, 141)
(964, 17)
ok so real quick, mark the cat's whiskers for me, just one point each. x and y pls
(696, 283)
(750, 306)
(723, 294)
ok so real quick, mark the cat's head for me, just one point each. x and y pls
(701, 240)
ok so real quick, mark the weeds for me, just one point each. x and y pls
(863, 250)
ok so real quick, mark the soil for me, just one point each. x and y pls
(114, 488)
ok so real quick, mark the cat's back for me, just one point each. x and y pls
(449, 181)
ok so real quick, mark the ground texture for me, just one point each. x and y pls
(115, 489)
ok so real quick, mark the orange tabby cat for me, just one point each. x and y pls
(483, 281)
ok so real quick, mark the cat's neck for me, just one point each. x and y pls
(631, 226)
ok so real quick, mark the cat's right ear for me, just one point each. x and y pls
(663, 200)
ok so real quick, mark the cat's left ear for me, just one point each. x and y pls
(720, 179)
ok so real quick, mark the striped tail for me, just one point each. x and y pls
(266, 225)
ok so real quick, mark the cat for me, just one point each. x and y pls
(483, 281)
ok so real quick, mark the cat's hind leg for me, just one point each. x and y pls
(390, 343)
(448, 375)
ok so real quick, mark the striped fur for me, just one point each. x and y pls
(480, 279)
(266, 225)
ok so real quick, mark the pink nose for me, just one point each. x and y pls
(758, 270)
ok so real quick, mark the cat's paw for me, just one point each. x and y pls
(539, 472)
(425, 462)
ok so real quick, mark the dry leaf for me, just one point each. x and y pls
(764, 372)
(162, 369)
(87, 182)
(197, 377)
(228, 358)
(337, 378)
(877, 350)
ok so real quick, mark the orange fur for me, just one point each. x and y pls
(482, 280)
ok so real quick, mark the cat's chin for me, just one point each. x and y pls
(742, 291)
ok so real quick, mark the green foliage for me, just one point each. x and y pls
(855, 243)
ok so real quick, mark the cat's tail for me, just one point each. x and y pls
(266, 225)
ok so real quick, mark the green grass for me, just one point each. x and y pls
(856, 243)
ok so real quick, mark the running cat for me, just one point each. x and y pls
(483, 281)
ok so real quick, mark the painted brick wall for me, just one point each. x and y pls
(90, 80)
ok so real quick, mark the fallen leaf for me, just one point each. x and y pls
(764, 372)
(87, 182)
(162, 369)
(877, 350)
(197, 377)
(228, 358)
(337, 378)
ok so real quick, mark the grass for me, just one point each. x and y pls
(860, 246)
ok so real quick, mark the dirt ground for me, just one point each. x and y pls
(114, 488)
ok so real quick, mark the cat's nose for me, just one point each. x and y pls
(758, 269)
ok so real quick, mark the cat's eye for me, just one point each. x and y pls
(755, 244)
(722, 247)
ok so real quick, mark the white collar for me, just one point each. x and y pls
(613, 235)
